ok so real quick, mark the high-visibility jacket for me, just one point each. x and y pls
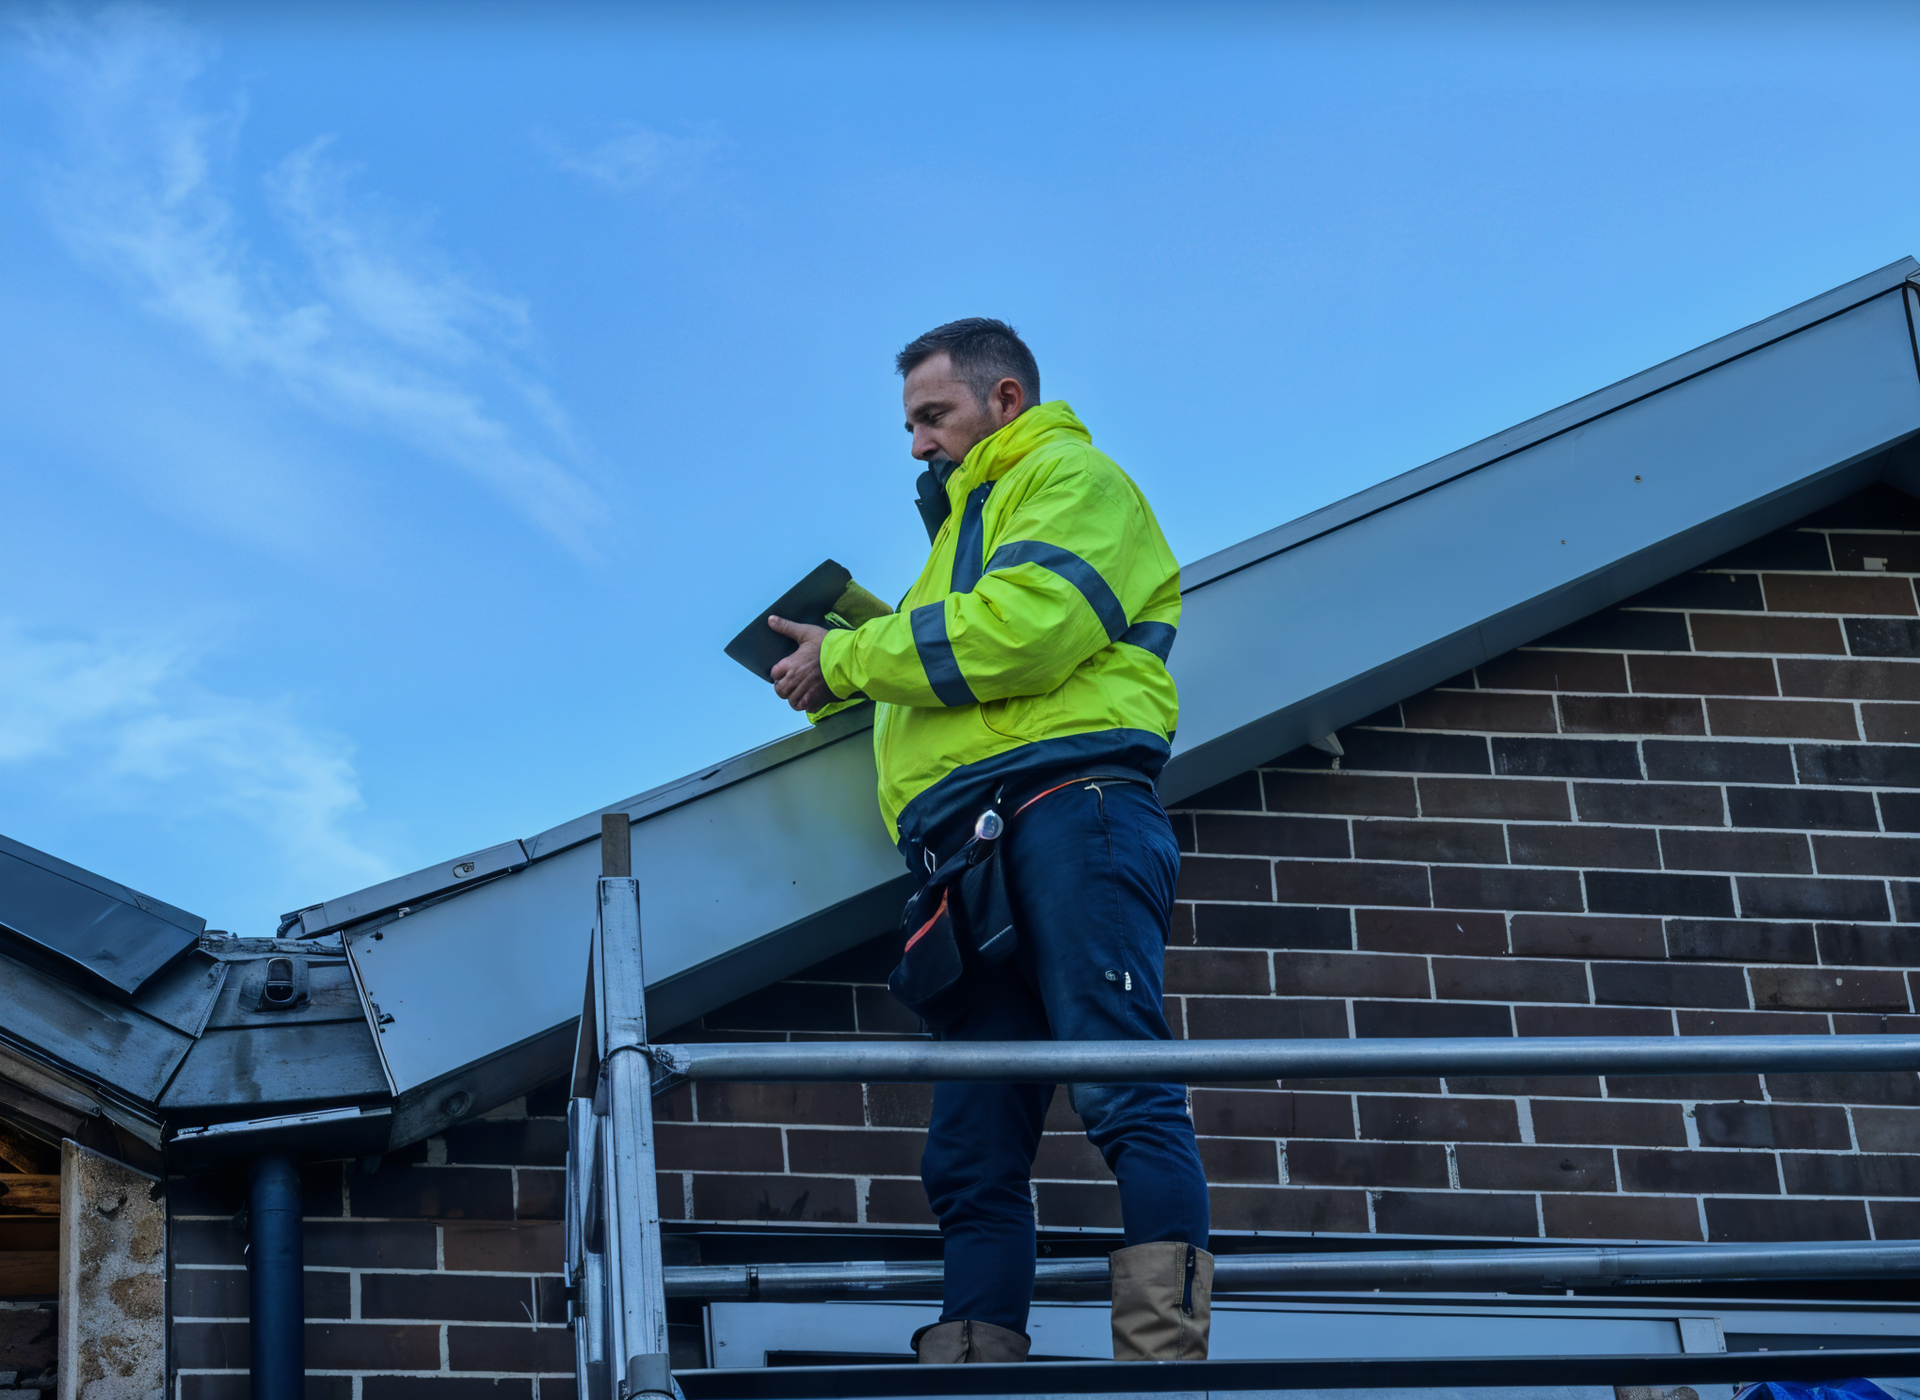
(1034, 643)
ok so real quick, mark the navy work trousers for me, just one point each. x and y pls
(1091, 870)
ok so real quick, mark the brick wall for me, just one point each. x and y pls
(1687, 815)
(434, 1277)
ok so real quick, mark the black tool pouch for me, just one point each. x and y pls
(959, 920)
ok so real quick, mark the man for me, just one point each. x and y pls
(1029, 662)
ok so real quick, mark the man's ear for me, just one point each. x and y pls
(1010, 399)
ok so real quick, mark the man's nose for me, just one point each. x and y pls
(925, 449)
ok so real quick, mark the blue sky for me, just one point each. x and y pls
(397, 415)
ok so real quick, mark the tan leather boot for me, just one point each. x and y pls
(1162, 1302)
(949, 1343)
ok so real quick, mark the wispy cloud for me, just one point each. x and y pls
(633, 158)
(124, 723)
(367, 321)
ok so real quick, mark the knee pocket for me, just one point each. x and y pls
(1093, 1102)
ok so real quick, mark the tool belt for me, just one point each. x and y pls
(960, 920)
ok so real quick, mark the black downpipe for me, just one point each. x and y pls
(276, 1261)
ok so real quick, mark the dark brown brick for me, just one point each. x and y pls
(1808, 898)
(368, 1244)
(1683, 1087)
(444, 1388)
(1363, 1086)
(1734, 1220)
(1737, 940)
(1645, 892)
(1751, 1023)
(1862, 765)
(1829, 989)
(772, 1198)
(1508, 979)
(787, 1006)
(1491, 887)
(1488, 712)
(1783, 719)
(1455, 1213)
(1526, 1086)
(1649, 803)
(1868, 855)
(1264, 1018)
(1769, 852)
(877, 1013)
(1592, 1020)
(222, 1293)
(1874, 1023)
(374, 1346)
(1623, 847)
(1851, 680)
(1349, 975)
(1891, 724)
(534, 1248)
(1385, 750)
(1396, 1118)
(509, 1349)
(1473, 843)
(718, 1147)
(539, 1194)
(1271, 1114)
(1801, 809)
(819, 1104)
(1771, 1125)
(1314, 1210)
(449, 1298)
(1700, 589)
(1827, 593)
(1869, 945)
(1702, 675)
(1891, 1088)
(1883, 1130)
(1366, 1163)
(1716, 761)
(1895, 1220)
(1247, 1161)
(1430, 931)
(235, 1386)
(435, 1193)
(1349, 882)
(1621, 1124)
(525, 1142)
(1373, 1019)
(1620, 1217)
(1773, 636)
(1566, 758)
(1200, 970)
(1224, 877)
(1530, 1168)
(1623, 627)
(1271, 836)
(827, 1152)
(1630, 714)
(1077, 1205)
(1554, 670)
(1742, 1173)
(1271, 926)
(894, 1202)
(1547, 936)
(1354, 794)
(1895, 553)
(1528, 799)
(1069, 1157)
(1240, 793)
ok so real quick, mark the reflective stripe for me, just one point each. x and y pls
(969, 547)
(1074, 570)
(1156, 637)
(936, 655)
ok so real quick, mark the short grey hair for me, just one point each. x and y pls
(983, 352)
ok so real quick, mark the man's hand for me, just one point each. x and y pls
(796, 680)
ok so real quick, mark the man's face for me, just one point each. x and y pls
(946, 420)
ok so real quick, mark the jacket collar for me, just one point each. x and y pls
(999, 453)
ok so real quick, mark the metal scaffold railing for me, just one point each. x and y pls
(618, 1287)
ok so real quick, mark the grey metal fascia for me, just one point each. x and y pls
(1549, 424)
(470, 869)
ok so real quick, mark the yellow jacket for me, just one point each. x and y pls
(1034, 643)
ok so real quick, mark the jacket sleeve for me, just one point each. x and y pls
(1071, 563)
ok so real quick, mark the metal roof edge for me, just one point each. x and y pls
(100, 884)
(1549, 424)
